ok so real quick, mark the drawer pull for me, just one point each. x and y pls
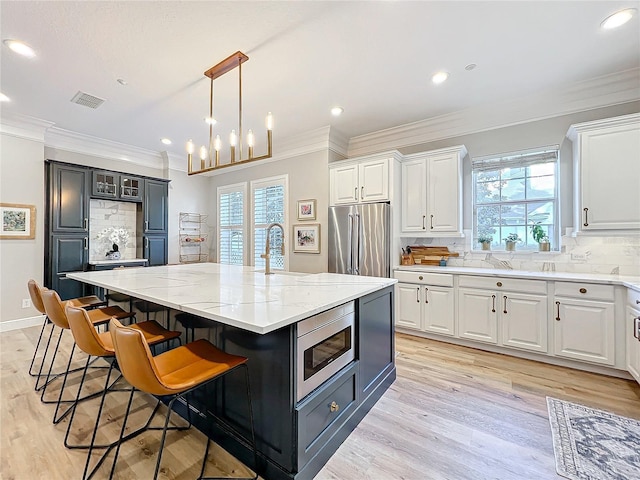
(499, 284)
(558, 314)
(86, 224)
(420, 277)
(583, 290)
(637, 302)
(505, 304)
(85, 241)
(636, 328)
(493, 303)
(334, 407)
(586, 217)
(426, 295)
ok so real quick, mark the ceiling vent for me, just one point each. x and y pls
(87, 100)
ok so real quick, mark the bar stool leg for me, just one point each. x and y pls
(44, 358)
(35, 352)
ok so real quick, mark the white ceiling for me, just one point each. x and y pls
(373, 58)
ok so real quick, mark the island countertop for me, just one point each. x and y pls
(235, 295)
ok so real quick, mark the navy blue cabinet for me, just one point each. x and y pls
(69, 199)
(155, 206)
(68, 253)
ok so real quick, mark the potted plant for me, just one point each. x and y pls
(540, 236)
(510, 241)
(485, 241)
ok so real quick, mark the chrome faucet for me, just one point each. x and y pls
(266, 255)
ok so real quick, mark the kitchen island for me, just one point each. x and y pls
(258, 316)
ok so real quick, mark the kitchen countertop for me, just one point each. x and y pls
(627, 281)
(234, 295)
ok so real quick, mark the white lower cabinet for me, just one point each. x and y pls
(584, 326)
(632, 327)
(506, 318)
(409, 306)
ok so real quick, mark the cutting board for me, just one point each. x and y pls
(431, 255)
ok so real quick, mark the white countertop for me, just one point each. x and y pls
(118, 262)
(627, 281)
(239, 296)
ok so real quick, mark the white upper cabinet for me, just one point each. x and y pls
(362, 180)
(432, 192)
(606, 174)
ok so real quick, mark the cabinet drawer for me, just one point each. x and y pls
(320, 415)
(588, 291)
(439, 279)
(504, 284)
(633, 298)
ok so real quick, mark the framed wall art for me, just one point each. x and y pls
(306, 238)
(306, 209)
(18, 221)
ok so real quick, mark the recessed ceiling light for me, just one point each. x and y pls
(439, 77)
(337, 111)
(20, 48)
(4, 98)
(470, 67)
(618, 18)
(122, 81)
(166, 141)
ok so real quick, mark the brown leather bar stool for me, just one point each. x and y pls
(34, 288)
(175, 374)
(150, 307)
(190, 322)
(99, 344)
(54, 308)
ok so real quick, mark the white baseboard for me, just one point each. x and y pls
(21, 323)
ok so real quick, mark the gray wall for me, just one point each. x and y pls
(308, 179)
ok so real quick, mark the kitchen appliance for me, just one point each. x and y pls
(324, 346)
(359, 239)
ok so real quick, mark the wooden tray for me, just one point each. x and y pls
(431, 255)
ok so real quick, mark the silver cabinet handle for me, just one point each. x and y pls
(431, 222)
(146, 224)
(505, 304)
(355, 195)
(146, 242)
(493, 303)
(86, 243)
(86, 223)
(424, 219)
(426, 295)
(558, 311)
(586, 217)
(418, 295)
(636, 328)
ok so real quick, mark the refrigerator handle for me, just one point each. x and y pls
(358, 235)
(350, 243)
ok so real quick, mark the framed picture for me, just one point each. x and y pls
(18, 221)
(306, 209)
(306, 238)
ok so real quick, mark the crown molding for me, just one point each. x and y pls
(23, 126)
(99, 147)
(607, 90)
(622, 120)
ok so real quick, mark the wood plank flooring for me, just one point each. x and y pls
(453, 413)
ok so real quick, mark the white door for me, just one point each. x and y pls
(438, 311)
(524, 321)
(343, 184)
(374, 180)
(584, 330)
(443, 195)
(477, 315)
(414, 196)
(409, 305)
(633, 342)
(611, 157)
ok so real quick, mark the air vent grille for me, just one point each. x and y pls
(87, 100)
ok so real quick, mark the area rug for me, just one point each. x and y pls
(591, 444)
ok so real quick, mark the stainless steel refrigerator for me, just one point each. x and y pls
(359, 239)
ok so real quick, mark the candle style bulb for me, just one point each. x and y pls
(217, 143)
(251, 139)
(233, 139)
(203, 152)
(190, 147)
(269, 121)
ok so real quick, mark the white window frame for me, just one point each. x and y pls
(236, 187)
(518, 159)
(266, 182)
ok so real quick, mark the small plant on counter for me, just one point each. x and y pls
(511, 240)
(485, 241)
(540, 236)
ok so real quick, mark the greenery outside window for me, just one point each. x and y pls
(231, 224)
(269, 201)
(512, 192)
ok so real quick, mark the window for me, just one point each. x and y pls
(231, 228)
(269, 202)
(512, 192)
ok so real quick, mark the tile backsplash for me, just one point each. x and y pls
(108, 221)
(582, 254)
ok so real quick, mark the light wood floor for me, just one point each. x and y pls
(454, 413)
